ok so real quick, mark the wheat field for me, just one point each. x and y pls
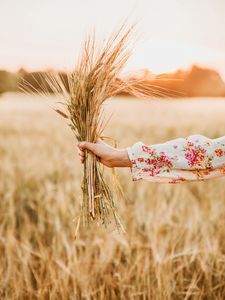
(174, 245)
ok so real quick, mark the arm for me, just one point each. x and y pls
(109, 156)
(185, 159)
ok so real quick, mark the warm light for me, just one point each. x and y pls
(175, 34)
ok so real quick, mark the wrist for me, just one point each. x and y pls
(123, 159)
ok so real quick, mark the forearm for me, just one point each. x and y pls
(121, 158)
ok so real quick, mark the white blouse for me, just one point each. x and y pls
(195, 157)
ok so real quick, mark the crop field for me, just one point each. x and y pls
(174, 244)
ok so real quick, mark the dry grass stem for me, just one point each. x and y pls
(95, 79)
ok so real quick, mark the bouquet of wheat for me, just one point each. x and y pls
(95, 79)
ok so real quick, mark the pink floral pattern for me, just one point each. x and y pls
(184, 159)
(156, 162)
(197, 156)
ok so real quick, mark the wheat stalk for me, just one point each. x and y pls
(95, 79)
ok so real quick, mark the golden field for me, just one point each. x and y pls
(174, 245)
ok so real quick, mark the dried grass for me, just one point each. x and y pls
(92, 82)
(175, 241)
(95, 79)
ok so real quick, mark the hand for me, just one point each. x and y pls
(109, 156)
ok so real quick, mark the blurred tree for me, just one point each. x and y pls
(37, 81)
(8, 81)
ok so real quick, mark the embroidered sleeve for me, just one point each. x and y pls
(184, 159)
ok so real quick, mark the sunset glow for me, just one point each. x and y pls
(174, 34)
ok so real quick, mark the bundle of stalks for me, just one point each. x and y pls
(92, 82)
(95, 79)
(144, 88)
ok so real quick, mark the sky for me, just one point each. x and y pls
(172, 34)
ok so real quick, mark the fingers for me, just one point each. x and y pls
(87, 145)
(81, 155)
(102, 150)
(82, 146)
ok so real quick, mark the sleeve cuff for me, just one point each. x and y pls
(133, 156)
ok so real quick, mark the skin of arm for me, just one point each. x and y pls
(109, 156)
(193, 158)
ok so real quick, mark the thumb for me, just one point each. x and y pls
(87, 145)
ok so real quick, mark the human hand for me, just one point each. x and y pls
(109, 156)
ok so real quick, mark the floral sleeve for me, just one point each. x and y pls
(184, 159)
